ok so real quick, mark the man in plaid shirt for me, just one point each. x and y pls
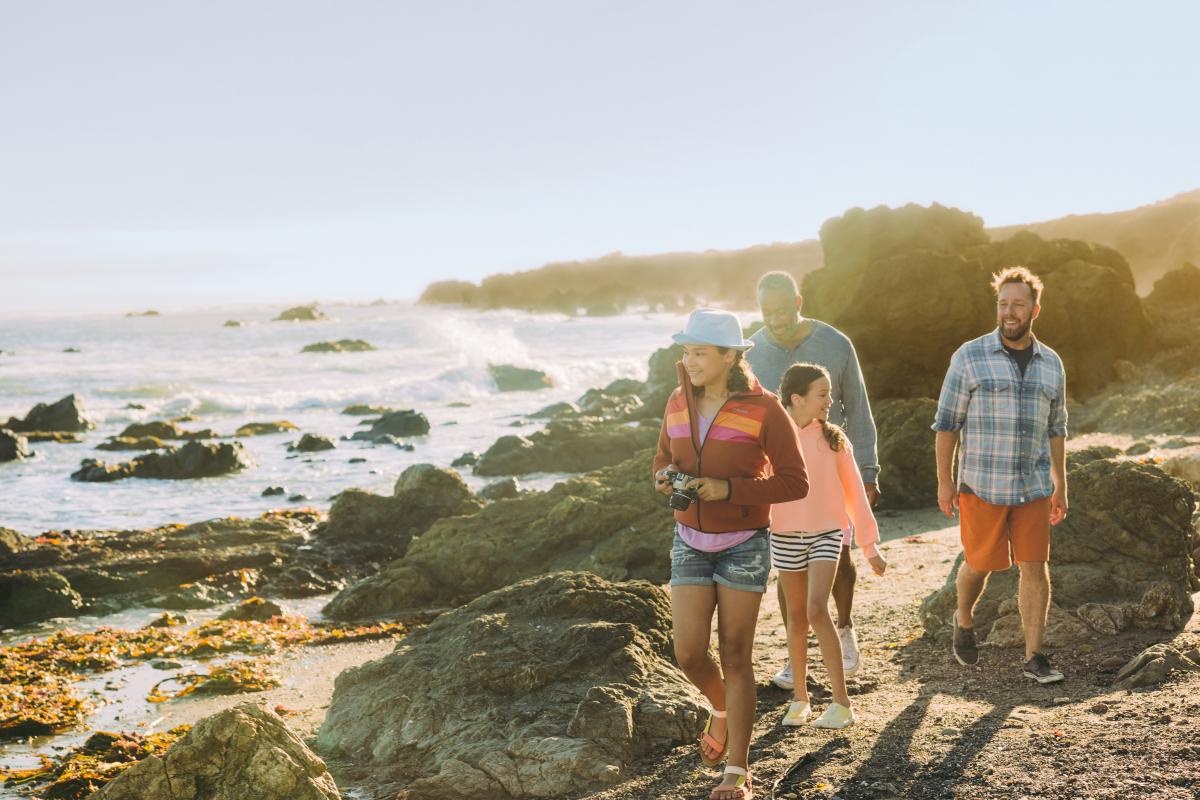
(1003, 404)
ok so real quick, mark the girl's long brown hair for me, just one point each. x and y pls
(738, 379)
(798, 379)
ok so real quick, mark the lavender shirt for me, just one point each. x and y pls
(710, 542)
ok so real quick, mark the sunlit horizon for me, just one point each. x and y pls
(350, 155)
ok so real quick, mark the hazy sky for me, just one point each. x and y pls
(173, 154)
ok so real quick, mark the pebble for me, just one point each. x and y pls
(1099, 708)
(1112, 662)
(1058, 701)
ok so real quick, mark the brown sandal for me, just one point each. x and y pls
(707, 738)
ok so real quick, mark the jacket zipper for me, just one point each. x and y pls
(700, 452)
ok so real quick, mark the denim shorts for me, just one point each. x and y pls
(745, 566)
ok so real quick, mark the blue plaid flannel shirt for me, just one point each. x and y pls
(1006, 421)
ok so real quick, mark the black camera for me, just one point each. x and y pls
(681, 497)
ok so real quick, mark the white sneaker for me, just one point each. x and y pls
(797, 714)
(851, 658)
(783, 678)
(835, 717)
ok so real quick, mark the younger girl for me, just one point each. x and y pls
(806, 539)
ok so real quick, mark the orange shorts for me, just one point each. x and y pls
(988, 530)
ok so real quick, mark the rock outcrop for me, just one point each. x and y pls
(265, 428)
(193, 460)
(241, 753)
(382, 527)
(545, 688)
(193, 566)
(308, 313)
(67, 414)
(13, 446)
(910, 285)
(1120, 560)
(518, 379)
(405, 422)
(610, 522)
(567, 445)
(340, 346)
(908, 462)
(312, 443)
(34, 596)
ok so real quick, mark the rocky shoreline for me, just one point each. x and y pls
(536, 660)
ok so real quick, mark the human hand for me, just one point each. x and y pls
(710, 488)
(1058, 506)
(947, 498)
(872, 494)
(661, 484)
(878, 564)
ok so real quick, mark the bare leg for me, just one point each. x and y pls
(691, 617)
(970, 583)
(737, 615)
(796, 585)
(1033, 600)
(820, 582)
(843, 588)
(783, 604)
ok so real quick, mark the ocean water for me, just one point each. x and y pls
(428, 358)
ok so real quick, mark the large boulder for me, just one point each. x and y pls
(27, 597)
(13, 446)
(68, 414)
(405, 422)
(567, 445)
(193, 460)
(241, 753)
(385, 525)
(908, 462)
(308, 313)
(546, 688)
(910, 285)
(1120, 560)
(519, 379)
(611, 523)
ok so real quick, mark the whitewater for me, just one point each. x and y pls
(432, 359)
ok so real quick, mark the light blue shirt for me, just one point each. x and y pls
(834, 351)
(1006, 419)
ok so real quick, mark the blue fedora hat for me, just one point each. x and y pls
(715, 327)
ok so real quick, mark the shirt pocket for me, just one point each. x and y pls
(998, 396)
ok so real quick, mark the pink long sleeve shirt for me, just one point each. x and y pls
(836, 498)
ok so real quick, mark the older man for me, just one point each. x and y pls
(786, 338)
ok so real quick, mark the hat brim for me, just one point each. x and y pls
(683, 338)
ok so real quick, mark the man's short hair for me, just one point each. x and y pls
(778, 282)
(1016, 275)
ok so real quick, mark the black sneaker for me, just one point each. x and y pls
(966, 652)
(1040, 670)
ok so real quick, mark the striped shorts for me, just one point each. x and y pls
(791, 552)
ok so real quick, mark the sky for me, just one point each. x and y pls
(175, 155)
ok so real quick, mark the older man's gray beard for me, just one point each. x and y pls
(1018, 335)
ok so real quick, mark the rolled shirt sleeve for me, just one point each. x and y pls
(955, 396)
(1057, 426)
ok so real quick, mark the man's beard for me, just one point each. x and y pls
(1019, 334)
